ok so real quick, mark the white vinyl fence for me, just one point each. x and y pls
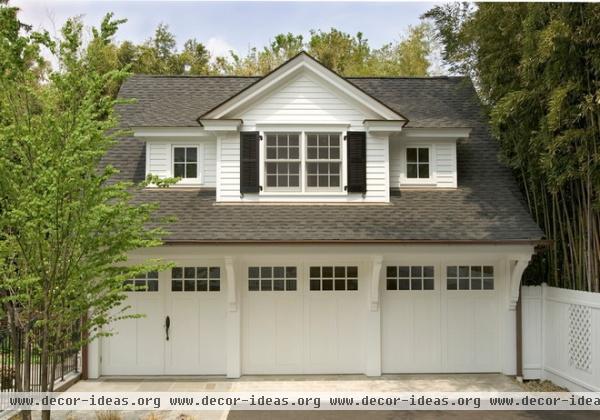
(561, 336)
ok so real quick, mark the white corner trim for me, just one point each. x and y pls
(221, 125)
(302, 62)
(169, 132)
(231, 290)
(383, 126)
(516, 266)
(375, 280)
(436, 133)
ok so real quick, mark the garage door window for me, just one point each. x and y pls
(195, 279)
(147, 282)
(474, 277)
(334, 278)
(268, 279)
(414, 277)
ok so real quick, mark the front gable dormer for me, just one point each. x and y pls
(304, 137)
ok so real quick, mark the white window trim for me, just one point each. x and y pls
(200, 168)
(408, 182)
(304, 190)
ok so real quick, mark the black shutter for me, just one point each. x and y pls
(249, 162)
(357, 161)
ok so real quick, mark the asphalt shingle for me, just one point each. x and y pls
(486, 206)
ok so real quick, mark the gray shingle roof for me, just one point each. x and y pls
(177, 101)
(486, 206)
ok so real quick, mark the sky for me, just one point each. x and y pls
(227, 25)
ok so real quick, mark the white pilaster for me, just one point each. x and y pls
(373, 350)
(513, 271)
(93, 358)
(233, 322)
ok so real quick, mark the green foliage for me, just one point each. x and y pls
(343, 53)
(349, 55)
(537, 66)
(65, 229)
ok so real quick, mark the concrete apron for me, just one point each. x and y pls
(400, 383)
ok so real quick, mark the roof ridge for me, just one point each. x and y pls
(228, 76)
(194, 76)
(406, 77)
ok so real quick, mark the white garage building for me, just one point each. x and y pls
(323, 225)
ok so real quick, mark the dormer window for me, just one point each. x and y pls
(417, 163)
(323, 161)
(185, 162)
(282, 165)
(303, 161)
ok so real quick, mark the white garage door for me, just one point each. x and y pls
(440, 319)
(192, 301)
(303, 319)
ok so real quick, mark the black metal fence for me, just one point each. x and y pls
(65, 363)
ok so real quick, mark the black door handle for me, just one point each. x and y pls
(167, 326)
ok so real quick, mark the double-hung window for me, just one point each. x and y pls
(282, 164)
(323, 161)
(303, 161)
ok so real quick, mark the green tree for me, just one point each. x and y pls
(339, 51)
(537, 68)
(408, 57)
(65, 228)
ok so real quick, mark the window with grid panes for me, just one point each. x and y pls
(470, 277)
(146, 282)
(333, 278)
(195, 279)
(282, 161)
(277, 279)
(323, 161)
(415, 277)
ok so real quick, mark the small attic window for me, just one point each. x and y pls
(417, 163)
(187, 161)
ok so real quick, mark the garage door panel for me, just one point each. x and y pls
(259, 322)
(126, 352)
(487, 344)
(272, 333)
(350, 329)
(288, 337)
(197, 334)
(426, 332)
(322, 332)
(411, 332)
(213, 335)
(460, 323)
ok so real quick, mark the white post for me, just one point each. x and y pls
(514, 268)
(373, 350)
(233, 322)
(94, 358)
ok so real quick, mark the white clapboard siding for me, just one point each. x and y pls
(443, 158)
(159, 158)
(304, 99)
